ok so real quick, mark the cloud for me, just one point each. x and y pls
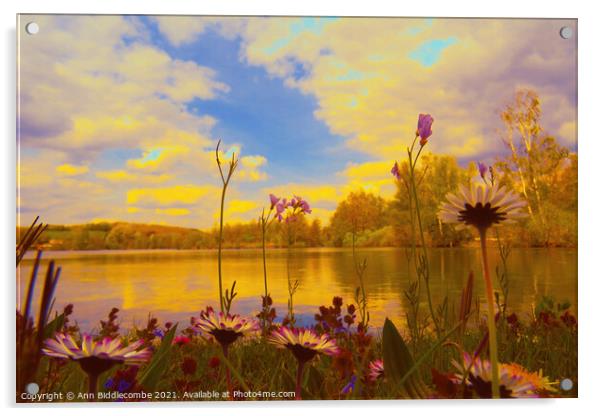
(173, 211)
(122, 91)
(240, 210)
(158, 158)
(71, 170)
(250, 168)
(96, 93)
(372, 77)
(122, 176)
(181, 30)
(429, 52)
(184, 195)
(373, 177)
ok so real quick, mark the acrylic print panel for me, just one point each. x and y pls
(280, 208)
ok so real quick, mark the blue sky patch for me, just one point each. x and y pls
(261, 113)
(313, 25)
(429, 52)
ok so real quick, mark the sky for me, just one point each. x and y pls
(119, 116)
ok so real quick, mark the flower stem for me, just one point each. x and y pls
(265, 269)
(93, 385)
(228, 377)
(495, 382)
(422, 243)
(219, 247)
(299, 380)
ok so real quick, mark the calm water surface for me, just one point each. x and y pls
(175, 285)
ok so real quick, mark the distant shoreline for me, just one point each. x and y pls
(31, 253)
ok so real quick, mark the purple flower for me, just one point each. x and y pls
(158, 333)
(425, 121)
(482, 169)
(280, 208)
(273, 201)
(395, 171)
(123, 386)
(350, 386)
(109, 384)
(304, 206)
(377, 370)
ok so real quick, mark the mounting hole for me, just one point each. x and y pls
(32, 388)
(566, 384)
(566, 32)
(32, 28)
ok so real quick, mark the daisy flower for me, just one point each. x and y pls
(483, 206)
(305, 344)
(225, 328)
(377, 370)
(95, 357)
(515, 381)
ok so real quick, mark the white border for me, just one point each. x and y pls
(590, 148)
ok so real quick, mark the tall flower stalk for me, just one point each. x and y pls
(423, 131)
(288, 212)
(265, 220)
(360, 292)
(232, 164)
(482, 207)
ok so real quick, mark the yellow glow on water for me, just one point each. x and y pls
(175, 285)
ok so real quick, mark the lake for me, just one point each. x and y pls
(175, 285)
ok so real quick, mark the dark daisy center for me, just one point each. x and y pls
(481, 216)
(483, 388)
(96, 365)
(225, 336)
(302, 354)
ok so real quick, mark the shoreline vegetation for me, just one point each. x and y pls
(451, 348)
(136, 236)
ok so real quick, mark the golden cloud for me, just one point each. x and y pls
(238, 206)
(122, 176)
(250, 168)
(173, 211)
(158, 157)
(174, 195)
(72, 170)
(373, 177)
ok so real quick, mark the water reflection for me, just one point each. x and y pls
(174, 285)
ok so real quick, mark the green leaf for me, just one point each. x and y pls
(314, 383)
(398, 362)
(396, 356)
(158, 364)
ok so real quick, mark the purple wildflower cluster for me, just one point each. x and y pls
(287, 210)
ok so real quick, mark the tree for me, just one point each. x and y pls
(437, 175)
(534, 161)
(359, 212)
